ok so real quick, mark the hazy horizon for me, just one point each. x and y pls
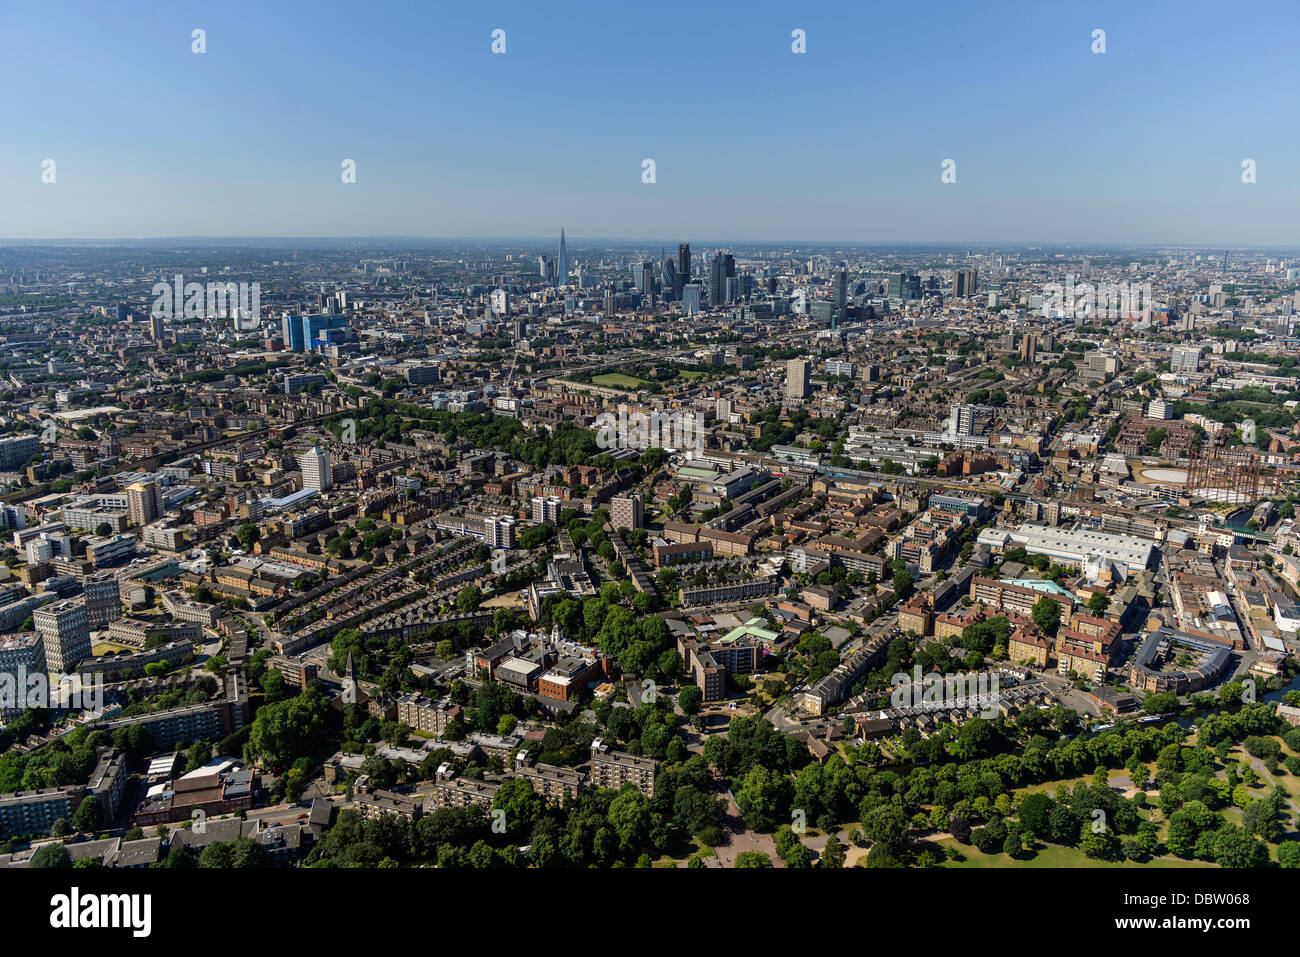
(1140, 144)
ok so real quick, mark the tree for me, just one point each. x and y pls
(1099, 845)
(52, 855)
(1013, 845)
(833, 856)
(752, 859)
(763, 797)
(103, 529)
(1098, 603)
(1047, 615)
(522, 805)
(248, 534)
(1034, 814)
(89, 816)
(690, 698)
(902, 582)
(886, 826)
(468, 599)
(629, 816)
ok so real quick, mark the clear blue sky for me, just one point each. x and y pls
(844, 143)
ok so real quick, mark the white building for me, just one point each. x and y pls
(317, 474)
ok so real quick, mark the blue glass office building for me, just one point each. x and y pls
(309, 333)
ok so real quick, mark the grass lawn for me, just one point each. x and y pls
(617, 380)
(104, 647)
(682, 850)
(1050, 855)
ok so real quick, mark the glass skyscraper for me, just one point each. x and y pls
(562, 265)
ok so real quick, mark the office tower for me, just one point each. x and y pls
(822, 311)
(1087, 269)
(670, 280)
(841, 297)
(562, 264)
(316, 471)
(684, 263)
(103, 600)
(963, 282)
(499, 531)
(798, 379)
(645, 281)
(307, 333)
(542, 270)
(722, 268)
(500, 303)
(143, 502)
(546, 509)
(65, 631)
(691, 298)
(902, 285)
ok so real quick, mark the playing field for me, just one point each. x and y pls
(617, 380)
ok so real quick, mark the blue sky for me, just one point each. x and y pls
(1052, 142)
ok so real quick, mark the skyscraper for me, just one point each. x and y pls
(963, 282)
(1029, 347)
(798, 379)
(143, 502)
(626, 511)
(691, 298)
(316, 471)
(65, 630)
(562, 264)
(684, 263)
(646, 284)
(722, 268)
(671, 281)
(103, 600)
(841, 296)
